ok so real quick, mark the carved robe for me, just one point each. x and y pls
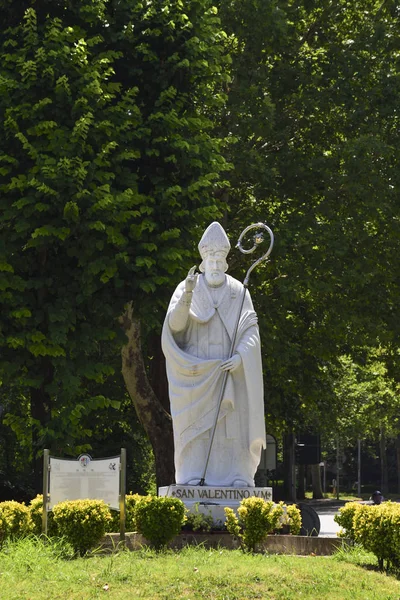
(193, 356)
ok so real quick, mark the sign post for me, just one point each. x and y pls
(46, 469)
(122, 493)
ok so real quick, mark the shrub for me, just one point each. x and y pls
(3, 528)
(82, 522)
(36, 511)
(377, 529)
(130, 524)
(345, 518)
(198, 521)
(232, 523)
(293, 519)
(15, 520)
(395, 535)
(159, 519)
(256, 518)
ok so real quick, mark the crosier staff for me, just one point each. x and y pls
(258, 238)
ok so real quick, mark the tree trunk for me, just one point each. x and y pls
(155, 420)
(158, 371)
(316, 482)
(41, 415)
(289, 468)
(301, 482)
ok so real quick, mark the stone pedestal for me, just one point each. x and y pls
(212, 499)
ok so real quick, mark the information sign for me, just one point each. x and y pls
(97, 479)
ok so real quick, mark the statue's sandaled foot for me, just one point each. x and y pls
(193, 482)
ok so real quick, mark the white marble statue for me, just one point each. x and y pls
(197, 332)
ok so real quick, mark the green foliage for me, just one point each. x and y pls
(112, 161)
(15, 520)
(36, 512)
(256, 519)
(159, 519)
(198, 521)
(107, 159)
(82, 522)
(367, 393)
(313, 121)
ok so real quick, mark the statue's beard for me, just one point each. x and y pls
(215, 279)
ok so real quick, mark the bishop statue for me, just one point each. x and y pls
(196, 339)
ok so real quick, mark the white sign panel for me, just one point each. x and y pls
(84, 478)
(217, 495)
(268, 456)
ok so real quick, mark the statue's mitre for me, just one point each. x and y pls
(214, 240)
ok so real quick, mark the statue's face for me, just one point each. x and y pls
(214, 268)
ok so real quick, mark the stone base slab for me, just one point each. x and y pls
(211, 500)
(273, 544)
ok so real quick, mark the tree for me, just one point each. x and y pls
(312, 106)
(137, 155)
(107, 158)
(369, 400)
(313, 120)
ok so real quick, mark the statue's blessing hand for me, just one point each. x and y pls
(191, 279)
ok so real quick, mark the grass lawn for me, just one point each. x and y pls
(31, 570)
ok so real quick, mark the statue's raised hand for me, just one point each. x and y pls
(191, 279)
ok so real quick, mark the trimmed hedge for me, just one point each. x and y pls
(159, 519)
(345, 517)
(82, 522)
(256, 519)
(376, 528)
(293, 518)
(15, 520)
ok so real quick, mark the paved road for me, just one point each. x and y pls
(326, 510)
(326, 514)
(328, 526)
